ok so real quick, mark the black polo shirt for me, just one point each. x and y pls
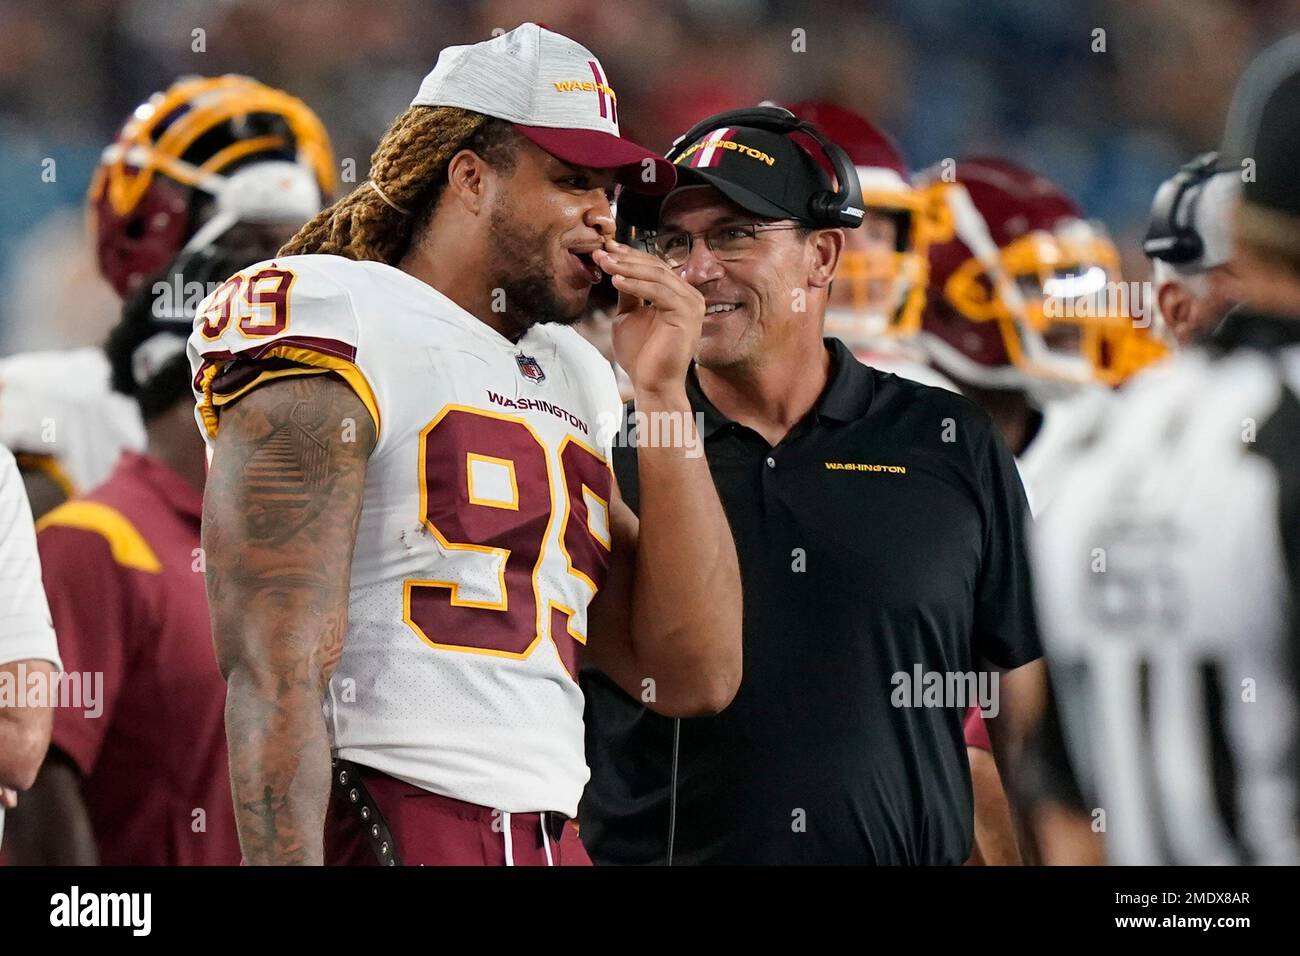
(885, 531)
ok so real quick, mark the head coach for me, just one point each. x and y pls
(880, 529)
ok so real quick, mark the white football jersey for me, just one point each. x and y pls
(61, 407)
(1067, 423)
(484, 529)
(1161, 578)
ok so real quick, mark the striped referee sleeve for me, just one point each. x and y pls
(26, 629)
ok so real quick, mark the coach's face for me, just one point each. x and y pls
(762, 304)
(547, 218)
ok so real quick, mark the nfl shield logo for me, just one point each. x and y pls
(529, 368)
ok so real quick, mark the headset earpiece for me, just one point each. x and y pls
(1172, 235)
(840, 207)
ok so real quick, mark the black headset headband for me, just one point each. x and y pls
(1172, 235)
(828, 208)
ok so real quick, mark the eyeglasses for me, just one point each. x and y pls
(727, 242)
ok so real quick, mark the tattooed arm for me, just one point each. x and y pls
(280, 519)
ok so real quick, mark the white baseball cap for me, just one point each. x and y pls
(553, 91)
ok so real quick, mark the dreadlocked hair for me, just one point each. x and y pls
(410, 166)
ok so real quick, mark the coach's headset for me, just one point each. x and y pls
(1172, 235)
(828, 208)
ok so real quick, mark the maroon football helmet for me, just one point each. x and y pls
(1017, 280)
(178, 154)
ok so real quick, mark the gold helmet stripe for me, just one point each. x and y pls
(242, 96)
(238, 150)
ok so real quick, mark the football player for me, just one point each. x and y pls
(410, 516)
(174, 180)
(127, 773)
(1024, 305)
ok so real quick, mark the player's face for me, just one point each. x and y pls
(865, 279)
(547, 219)
(761, 308)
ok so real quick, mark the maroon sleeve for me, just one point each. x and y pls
(90, 605)
(977, 735)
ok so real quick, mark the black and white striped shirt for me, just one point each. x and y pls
(1165, 577)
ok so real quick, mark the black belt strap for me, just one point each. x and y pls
(349, 788)
(555, 822)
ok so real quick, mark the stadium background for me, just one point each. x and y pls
(945, 77)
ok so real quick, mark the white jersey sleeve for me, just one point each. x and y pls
(26, 629)
(59, 411)
(1068, 424)
(282, 317)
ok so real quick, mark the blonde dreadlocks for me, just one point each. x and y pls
(409, 169)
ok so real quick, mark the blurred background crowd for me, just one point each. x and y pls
(1106, 114)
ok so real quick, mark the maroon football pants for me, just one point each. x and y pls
(432, 830)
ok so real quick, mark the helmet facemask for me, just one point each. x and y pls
(879, 287)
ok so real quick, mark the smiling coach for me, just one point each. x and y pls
(880, 528)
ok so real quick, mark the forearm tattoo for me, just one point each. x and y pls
(279, 522)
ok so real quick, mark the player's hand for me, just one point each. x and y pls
(8, 798)
(659, 318)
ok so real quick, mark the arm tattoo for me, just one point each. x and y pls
(280, 515)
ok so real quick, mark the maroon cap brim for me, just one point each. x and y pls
(597, 150)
